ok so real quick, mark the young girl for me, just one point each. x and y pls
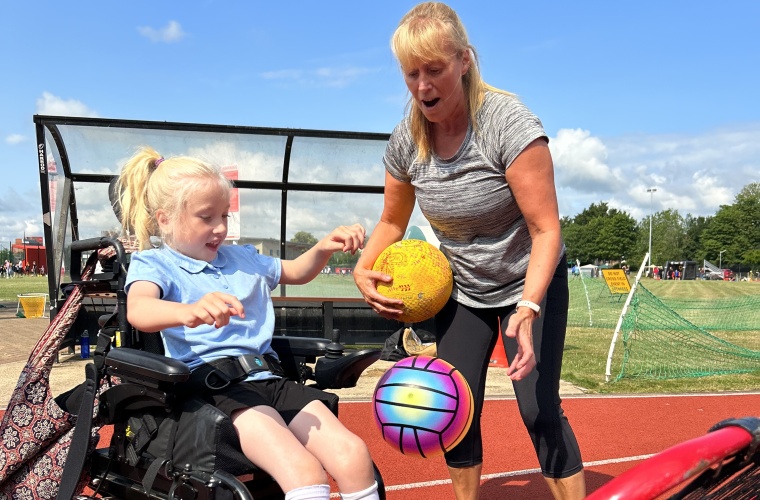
(213, 301)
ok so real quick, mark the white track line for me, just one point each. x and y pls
(525, 472)
(607, 396)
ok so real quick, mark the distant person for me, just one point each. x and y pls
(477, 162)
(212, 301)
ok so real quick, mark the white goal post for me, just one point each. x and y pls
(607, 374)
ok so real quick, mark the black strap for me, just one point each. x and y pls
(80, 441)
(167, 460)
(140, 432)
(223, 372)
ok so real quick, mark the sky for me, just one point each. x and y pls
(634, 96)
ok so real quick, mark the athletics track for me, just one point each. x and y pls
(615, 433)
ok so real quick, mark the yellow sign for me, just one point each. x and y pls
(616, 280)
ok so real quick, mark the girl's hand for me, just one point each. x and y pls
(366, 280)
(520, 326)
(212, 309)
(345, 239)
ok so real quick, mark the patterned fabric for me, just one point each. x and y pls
(35, 432)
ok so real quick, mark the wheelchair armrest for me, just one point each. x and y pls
(300, 346)
(135, 364)
(341, 371)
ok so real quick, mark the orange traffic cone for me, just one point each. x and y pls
(499, 355)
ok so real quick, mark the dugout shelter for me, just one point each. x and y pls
(687, 269)
(286, 181)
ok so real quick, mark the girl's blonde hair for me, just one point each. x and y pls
(432, 31)
(149, 183)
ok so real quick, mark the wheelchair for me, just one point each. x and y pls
(168, 442)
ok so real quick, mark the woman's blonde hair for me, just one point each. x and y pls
(149, 183)
(432, 31)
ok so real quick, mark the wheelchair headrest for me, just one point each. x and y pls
(114, 197)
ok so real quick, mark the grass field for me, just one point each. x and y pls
(11, 288)
(586, 347)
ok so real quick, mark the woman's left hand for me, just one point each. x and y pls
(520, 326)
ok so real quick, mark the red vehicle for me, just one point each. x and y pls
(728, 275)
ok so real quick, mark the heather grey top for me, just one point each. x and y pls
(469, 204)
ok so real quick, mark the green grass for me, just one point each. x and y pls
(585, 361)
(11, 288)
(586, 348)
(698, 289)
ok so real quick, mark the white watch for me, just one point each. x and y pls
(530, 305)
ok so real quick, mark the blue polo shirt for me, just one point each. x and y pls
(237, 270)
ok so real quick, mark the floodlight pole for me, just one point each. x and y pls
(651, 195)
(720, 259)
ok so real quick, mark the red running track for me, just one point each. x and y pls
(615, 433)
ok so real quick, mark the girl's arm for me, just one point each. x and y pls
(147, 312)
(308, 265)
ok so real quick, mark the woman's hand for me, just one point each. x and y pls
(212, 309)
(520, 326)
(366, 281)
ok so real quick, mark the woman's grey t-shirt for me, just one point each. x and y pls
(469, 204)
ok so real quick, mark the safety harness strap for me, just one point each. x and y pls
(223, 372)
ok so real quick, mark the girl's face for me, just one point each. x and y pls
(202, 226)
(436, 87)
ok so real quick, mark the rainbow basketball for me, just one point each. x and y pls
(422, 278)
(423, 406)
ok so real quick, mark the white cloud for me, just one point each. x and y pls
(50, 104)
(15, 139)
(171, 33)
(337, 77)
(693, 174)
(581, 161)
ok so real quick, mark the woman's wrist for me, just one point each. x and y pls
(530, 305)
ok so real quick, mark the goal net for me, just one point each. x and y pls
(661, 338)
(660, 343)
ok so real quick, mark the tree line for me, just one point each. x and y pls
(730, 237)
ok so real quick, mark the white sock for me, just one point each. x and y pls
(368, 494)
(313, 492)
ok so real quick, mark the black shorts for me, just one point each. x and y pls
(285, 396)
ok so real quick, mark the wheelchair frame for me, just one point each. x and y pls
(151, 381)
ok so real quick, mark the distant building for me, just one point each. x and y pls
(31, 250)
(271, 247)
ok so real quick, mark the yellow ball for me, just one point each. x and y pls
(422, 278)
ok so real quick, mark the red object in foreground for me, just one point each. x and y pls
(675, 466)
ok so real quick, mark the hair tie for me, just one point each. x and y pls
(157, 162)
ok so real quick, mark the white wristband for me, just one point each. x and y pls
(530, 305)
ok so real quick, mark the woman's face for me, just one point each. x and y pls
(436, 86)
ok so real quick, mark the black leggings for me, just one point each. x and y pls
(466, 337)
